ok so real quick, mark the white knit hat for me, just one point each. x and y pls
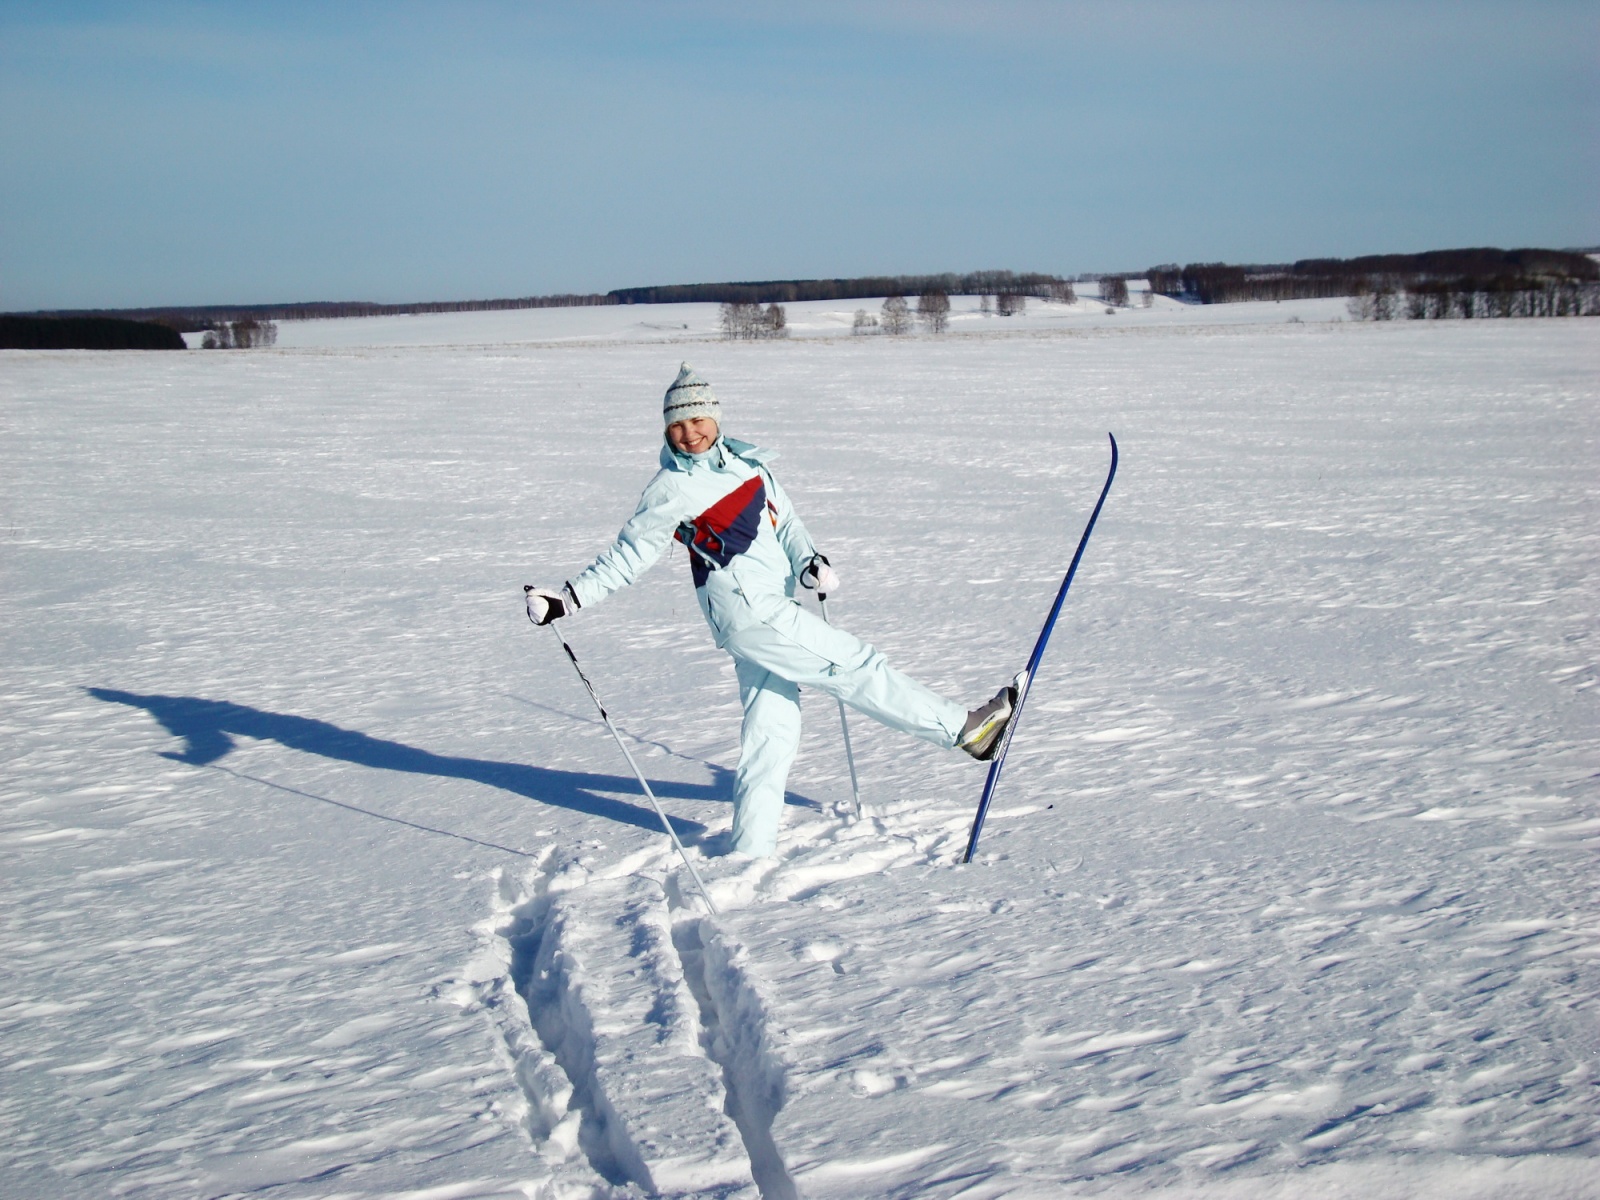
(690, 397)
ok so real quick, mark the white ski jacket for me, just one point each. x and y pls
(746, 544)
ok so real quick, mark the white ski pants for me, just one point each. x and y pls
(783, 648)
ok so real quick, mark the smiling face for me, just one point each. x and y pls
(694, 436)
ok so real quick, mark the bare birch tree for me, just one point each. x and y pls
(933, 308)
(896, 316)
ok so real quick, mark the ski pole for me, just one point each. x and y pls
(844, 724)
(638, 774)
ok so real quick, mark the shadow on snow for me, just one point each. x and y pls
(208, 728)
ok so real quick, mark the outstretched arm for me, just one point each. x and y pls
(642, 540)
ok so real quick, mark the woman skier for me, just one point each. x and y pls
(747, 550)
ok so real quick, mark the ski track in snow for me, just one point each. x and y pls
(1288, 891)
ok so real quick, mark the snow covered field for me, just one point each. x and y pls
(808, 319)
(321, 879)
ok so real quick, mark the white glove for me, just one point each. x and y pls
(545, 605)
(817, 574)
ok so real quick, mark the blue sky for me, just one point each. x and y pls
(190, 153)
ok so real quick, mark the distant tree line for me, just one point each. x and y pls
(750, 321)
(793, 291)
(197, 318)
(1505, 296)
(210, 316)
(1475, 270)
(86, 333)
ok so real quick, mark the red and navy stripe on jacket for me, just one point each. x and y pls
(724, 530)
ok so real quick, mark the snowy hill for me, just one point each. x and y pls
(320, 877)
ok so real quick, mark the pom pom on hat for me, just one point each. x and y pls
(690, 397)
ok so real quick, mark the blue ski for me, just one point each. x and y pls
(1025, 680)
